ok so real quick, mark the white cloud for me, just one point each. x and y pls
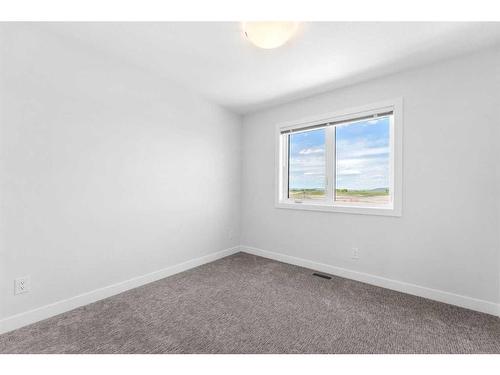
(308, 151)
(361, 151)
(362, 173)
(348, 172)
(311, 161)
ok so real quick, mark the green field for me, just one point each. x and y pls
(379, 195)
(362, 193)
(306, 193)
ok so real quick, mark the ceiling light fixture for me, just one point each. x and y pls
(269, 34)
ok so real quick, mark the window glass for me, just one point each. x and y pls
(362, 165)
(306, 172)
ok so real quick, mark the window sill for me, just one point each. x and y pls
(323, 207)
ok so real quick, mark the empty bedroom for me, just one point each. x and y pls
(249, 187)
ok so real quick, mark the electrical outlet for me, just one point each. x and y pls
(355, 253)
(22, 285)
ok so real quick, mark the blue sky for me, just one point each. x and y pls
(362, 156)
(307, 160)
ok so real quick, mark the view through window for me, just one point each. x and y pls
(307, 166)
(343, 163)
(362, 162)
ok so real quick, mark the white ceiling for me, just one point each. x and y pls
(215, 60)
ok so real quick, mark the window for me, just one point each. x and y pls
(345, 162)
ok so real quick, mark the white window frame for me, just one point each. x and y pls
(328, 204)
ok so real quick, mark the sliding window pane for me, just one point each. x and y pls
(363, 163)
(306, 171)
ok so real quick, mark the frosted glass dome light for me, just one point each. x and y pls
(269, 34)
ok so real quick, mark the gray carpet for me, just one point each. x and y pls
(249, 304)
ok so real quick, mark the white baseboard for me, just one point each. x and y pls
(400, 286)
(19, 320)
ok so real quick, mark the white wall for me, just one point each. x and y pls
(448, 237)
(107, 173)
